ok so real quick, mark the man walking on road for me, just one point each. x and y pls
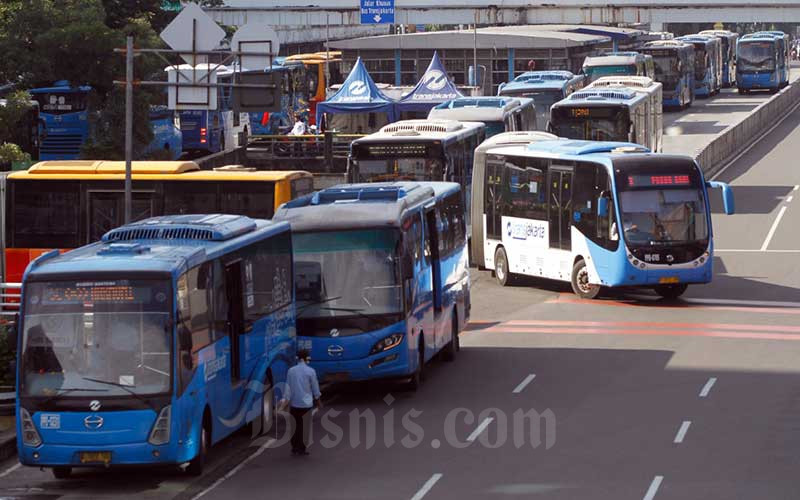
(303, 396)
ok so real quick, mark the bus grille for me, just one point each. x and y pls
(178, 233)
(62, 144)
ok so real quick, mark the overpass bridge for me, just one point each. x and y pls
(345, 13)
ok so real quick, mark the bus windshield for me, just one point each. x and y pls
(700, 63)
(756, 56)
(366, 297)
(494, 128)
(399, 169)
(595, 72)
(109, 338)
(667, 71)
(652, 217)
(592, 123)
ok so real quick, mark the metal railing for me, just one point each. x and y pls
(9, 302)
(321, 152)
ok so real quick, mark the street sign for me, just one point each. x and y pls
(377, 11)
(254, 37)
(183, 95)
(193, 29)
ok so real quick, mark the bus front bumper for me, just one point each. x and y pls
(51, 455)
(388, 364)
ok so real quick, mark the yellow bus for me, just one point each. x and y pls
(317, 85)
(67, 204)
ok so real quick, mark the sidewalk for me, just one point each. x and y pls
(8, 436)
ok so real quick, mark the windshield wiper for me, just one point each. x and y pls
(346, 309)
(125, 388)
(321, 301)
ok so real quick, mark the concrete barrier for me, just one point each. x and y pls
(736, 138)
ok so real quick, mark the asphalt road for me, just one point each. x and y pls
(633, 397)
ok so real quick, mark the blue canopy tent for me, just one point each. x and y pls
(358, 96)
(432, 89)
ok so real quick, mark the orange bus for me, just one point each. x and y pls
(68, 204)
(317, 85)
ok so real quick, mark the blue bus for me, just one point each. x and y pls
(167, 143)
(596, 214)
(728, 39)
(674, 61)
(382, 277)
(212, 131)
(762, 63)
(156, 342)
(707, 63)
(786, 50)
(294, 81)
(63, 109)
(544, 87)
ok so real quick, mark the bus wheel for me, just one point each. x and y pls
(263, 422)
(501, 272)
(416, 379)
(453, 346)
(197, 464)
(580, 282)
(62, 472)
(742, 91)
(671, 291)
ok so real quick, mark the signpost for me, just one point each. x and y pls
(377, 11)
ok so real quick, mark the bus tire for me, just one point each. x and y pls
(501, 272)
(743, 91)
(671, 291)
(453, 346)
(418, 376)
(263, 422)
(197, 464)
(580, 281)
(62, 472)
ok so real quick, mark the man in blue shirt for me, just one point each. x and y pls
(303, 396)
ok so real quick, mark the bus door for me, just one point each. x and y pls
(560, 207)
(432, 240)
(234, 293)
(106, 210)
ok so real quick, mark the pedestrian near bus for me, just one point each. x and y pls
(304, 395)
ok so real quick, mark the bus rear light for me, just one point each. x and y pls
(30, 436)
(160, 433)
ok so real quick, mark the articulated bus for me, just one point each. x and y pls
(762, 63)
(499, 114)
(674, 62)
(68, 204)
(654, 110)
(597, 214)
(707, 63)
(155, 343)
(64, 111)
(544, 87)
(616, 64)
(315, 74)
(382, 277)
(605, 114)
(728, 39)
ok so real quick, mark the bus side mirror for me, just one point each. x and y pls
(727, 196)
(602, 207)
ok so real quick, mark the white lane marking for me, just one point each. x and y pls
(773, 228)
(735, 302)
(10, 470)
(789, 199)
(758, 140)
(478, 430)
(682, 431)
(522, 385)
(653, 489)
(427, 487)
(796, 187)
(707, 388)
(236, 469)
(752, 250)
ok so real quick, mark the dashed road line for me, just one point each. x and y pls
(682, 431)
(478, 430)
(10, 470)
(653, 489)
(261, 449)
(707, 388)
(430, 483)
(522, 385)
(774, 228)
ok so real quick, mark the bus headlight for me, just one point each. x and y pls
(30, 436)
(160, 432)
(387, 343)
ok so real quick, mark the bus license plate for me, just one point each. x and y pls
(669, 280)
(96, 457)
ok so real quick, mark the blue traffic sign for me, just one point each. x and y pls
(377, 11)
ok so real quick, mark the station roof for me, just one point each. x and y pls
(532, 36)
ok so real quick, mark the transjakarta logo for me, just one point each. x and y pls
(525, 230)
(358, 87)
(434, 79)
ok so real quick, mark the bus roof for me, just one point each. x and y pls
(146, 170)
(477, 109)
(636, 83)
(166, 244)
(665, 44)
(408, 130)
(599, 96)
(540, 80)
(571, 149)
(707, 39)
(354, 206)
(511, 138)
(62, 87)
(612, 59)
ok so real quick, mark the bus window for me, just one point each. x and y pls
(253, 201)
(194, 327)
(302, 186)
(183, 197)
(44, 216)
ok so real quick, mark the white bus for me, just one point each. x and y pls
(499, 114)
(654, 109)
(477, 231)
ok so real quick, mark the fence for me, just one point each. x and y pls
(316, 153)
